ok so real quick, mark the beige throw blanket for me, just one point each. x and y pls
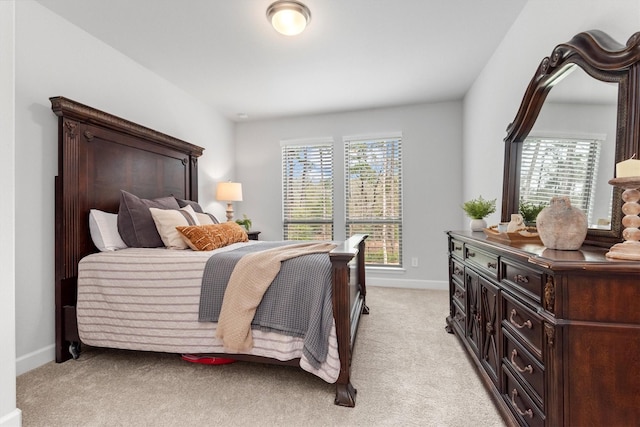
(249, 281)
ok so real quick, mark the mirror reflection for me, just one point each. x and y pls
(570, 151)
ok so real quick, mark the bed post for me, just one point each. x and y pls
(347, 313)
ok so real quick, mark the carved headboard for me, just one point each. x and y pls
(98, 155)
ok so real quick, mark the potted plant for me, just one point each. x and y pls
(477, 210)
(530, 211)
(245, 222)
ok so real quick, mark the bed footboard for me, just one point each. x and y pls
(349, 303)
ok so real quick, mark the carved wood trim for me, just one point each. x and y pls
(68, 108)
(550, 294)
(550, 333)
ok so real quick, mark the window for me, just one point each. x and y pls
(307, 189)
(373, 198)
(560, 166)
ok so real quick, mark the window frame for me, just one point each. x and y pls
(320, 221)
(385, 220)
(589, 175)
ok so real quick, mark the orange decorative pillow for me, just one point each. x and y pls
(212, 236)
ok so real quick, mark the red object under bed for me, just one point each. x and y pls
(206, 360)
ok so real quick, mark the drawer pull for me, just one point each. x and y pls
(457, 271)
(528, 412)
(492, 265)
(526, 324)
(519, 278)
(528, 368)
(471, 254)
(458, 294)
(457, 248)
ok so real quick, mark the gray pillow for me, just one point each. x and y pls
(195, 205)
(135, 223)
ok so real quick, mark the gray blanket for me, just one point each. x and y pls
(298, 302)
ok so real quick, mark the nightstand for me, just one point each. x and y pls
(253, 235)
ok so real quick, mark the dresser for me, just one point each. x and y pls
(554, 335)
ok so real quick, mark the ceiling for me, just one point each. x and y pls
(354, 54)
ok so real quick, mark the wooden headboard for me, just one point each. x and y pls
(98, 155)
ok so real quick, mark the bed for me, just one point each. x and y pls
(99, 156)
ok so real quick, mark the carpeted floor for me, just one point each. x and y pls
(407, 369)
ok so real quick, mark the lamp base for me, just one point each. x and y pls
(629, 250)
(229, 211)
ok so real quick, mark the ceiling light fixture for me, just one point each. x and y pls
(288, 17)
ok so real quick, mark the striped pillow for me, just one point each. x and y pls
(167, 220)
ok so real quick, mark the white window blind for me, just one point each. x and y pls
(373, 198)
(560, 167)
(307, 190)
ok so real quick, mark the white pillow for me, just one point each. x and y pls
(168, 219)
(103, 227)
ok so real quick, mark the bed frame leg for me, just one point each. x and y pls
(345, 395)
(74, 349)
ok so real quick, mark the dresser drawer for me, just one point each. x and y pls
(459, 318)
(486, 261)
(457, 271)
(523, 323)
(459, 294)
(519, 401)
(457, 248)
(524, 366)
(523, 279)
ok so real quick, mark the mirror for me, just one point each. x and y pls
(583, 111)
(582, 92)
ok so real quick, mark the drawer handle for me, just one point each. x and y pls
(493, 265)
(457, 271)
(471, 254)
(528, 412)
(457, 248)
(519, 278)
(458, 294)
(528, 368)
(526, 324)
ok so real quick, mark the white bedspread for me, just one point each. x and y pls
(147, 299)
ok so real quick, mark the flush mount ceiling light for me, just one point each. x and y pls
(288, 17)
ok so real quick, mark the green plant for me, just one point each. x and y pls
(245, 222)
(479, 208)
(530, 211)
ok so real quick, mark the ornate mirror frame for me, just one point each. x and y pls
(603, 59)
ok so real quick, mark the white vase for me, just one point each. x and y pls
(478, 224)
(562, 226)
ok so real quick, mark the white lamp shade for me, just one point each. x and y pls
(229, 191)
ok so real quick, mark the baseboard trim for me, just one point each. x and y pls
(436, 285)
(35, 359)
(12, 419)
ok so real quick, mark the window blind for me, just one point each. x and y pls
(560, 166)
(373, 199)
(307, 190)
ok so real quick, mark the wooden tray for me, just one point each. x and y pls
(528, 235)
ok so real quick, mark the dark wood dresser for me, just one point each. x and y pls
(555, 335)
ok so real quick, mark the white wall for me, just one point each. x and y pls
(55, 58)
(431, 167)
(494, 98)
(9, 414)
